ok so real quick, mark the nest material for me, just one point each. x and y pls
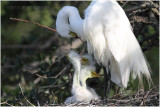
(140, 98)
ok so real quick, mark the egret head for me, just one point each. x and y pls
(63, 26)
(85, 60)
(89, 72)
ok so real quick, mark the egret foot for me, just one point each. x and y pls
(118, 90)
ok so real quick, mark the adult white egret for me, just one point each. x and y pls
(109, 37)
(80, 91)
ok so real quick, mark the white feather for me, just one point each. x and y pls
(109, 37)
(108, 31)
(75, 60)
(81, 92)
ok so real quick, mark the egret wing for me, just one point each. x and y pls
(123, 45)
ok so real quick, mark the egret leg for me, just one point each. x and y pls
(107, 76)
(118, 90)
(98, 67)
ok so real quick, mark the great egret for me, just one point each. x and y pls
(110, 40)
(80, 91)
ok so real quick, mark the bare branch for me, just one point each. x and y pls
(6, 102)
(25, 97)
(33, 23)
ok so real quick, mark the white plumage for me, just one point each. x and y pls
(80, 91)
(109, 37)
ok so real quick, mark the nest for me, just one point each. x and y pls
(140, 98)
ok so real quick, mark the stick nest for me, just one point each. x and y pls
(140, 98)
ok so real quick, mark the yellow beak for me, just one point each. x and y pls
(73, 34)
(94, 74)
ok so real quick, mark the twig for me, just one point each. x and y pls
(51, 86)
(45, 77)
(38, 103)
(137, 93)
(38, 25)
(33, 23)
(25, 97)
(154, 4)
(124, 3)
(143, 99)
(6, 102)
(154, 10)
(122, 101)
(116, 95)
(144, 5)
(60, 73)
(62, 70)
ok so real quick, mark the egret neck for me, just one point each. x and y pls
(83, 82)
(76, 22)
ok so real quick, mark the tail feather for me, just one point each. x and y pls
(141, 68)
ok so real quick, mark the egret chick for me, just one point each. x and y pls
(80, 91)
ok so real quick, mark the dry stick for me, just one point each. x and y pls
(124, 3)
(116, 95)
(32, 23)
(45, 77)
(144, 97)
(53, 85)
(6, 102)
(25, 97)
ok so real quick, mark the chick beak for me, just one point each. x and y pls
(94, 74)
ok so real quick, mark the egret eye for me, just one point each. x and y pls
(84, 61)
(73, 34)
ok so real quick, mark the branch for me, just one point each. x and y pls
(58, 75)
(32, 23)
(6, 102)
(144, 5)
(125, 3)
(25, 97)
(38, 25)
